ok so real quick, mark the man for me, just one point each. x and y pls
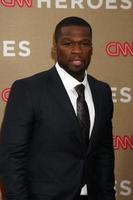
(55, 144)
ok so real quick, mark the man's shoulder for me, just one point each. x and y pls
(35, 79)
(97, 83)
(43, 75)
(102, 88)
(35, 82)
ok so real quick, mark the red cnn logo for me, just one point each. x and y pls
(123, 142)
(119, 48)
(5, 94)
(13, 3)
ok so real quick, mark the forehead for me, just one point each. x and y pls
(75, 31)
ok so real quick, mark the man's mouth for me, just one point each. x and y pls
(77, 62)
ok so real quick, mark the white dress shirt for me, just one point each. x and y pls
(70, 83)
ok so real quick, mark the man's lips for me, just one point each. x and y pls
(76, 62)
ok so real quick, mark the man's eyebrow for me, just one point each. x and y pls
(69, 38)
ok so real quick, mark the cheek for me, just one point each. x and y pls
(62, 55)
(87, 55)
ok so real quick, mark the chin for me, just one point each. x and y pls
(79, 69)
(77, 72)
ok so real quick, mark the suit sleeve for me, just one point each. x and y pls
(104, 160)
(14, 142)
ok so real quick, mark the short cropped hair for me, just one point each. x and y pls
(70, 21)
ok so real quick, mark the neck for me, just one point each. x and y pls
(79, 77)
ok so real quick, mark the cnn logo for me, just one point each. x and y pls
(13, 3)
(119, 48)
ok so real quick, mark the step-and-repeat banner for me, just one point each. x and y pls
(26, 31)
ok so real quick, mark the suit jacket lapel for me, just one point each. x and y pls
(60, 95)
(96, 100)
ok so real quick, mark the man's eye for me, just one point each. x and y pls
(67, 43)
(86, 44)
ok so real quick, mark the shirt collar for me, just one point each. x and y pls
(69, 81)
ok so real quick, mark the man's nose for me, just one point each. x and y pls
(76, 48)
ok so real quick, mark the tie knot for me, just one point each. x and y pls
(80, 89)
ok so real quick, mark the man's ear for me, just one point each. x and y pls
(92, 50)
(54, 47)
(53, 51)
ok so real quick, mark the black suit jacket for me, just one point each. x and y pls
(42, 153)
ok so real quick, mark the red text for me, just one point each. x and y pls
(119, 48)
(123, 142)
(13, 3)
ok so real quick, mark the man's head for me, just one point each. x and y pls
(70, 21)
(73, 45)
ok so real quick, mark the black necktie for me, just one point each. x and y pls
(83, 113)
